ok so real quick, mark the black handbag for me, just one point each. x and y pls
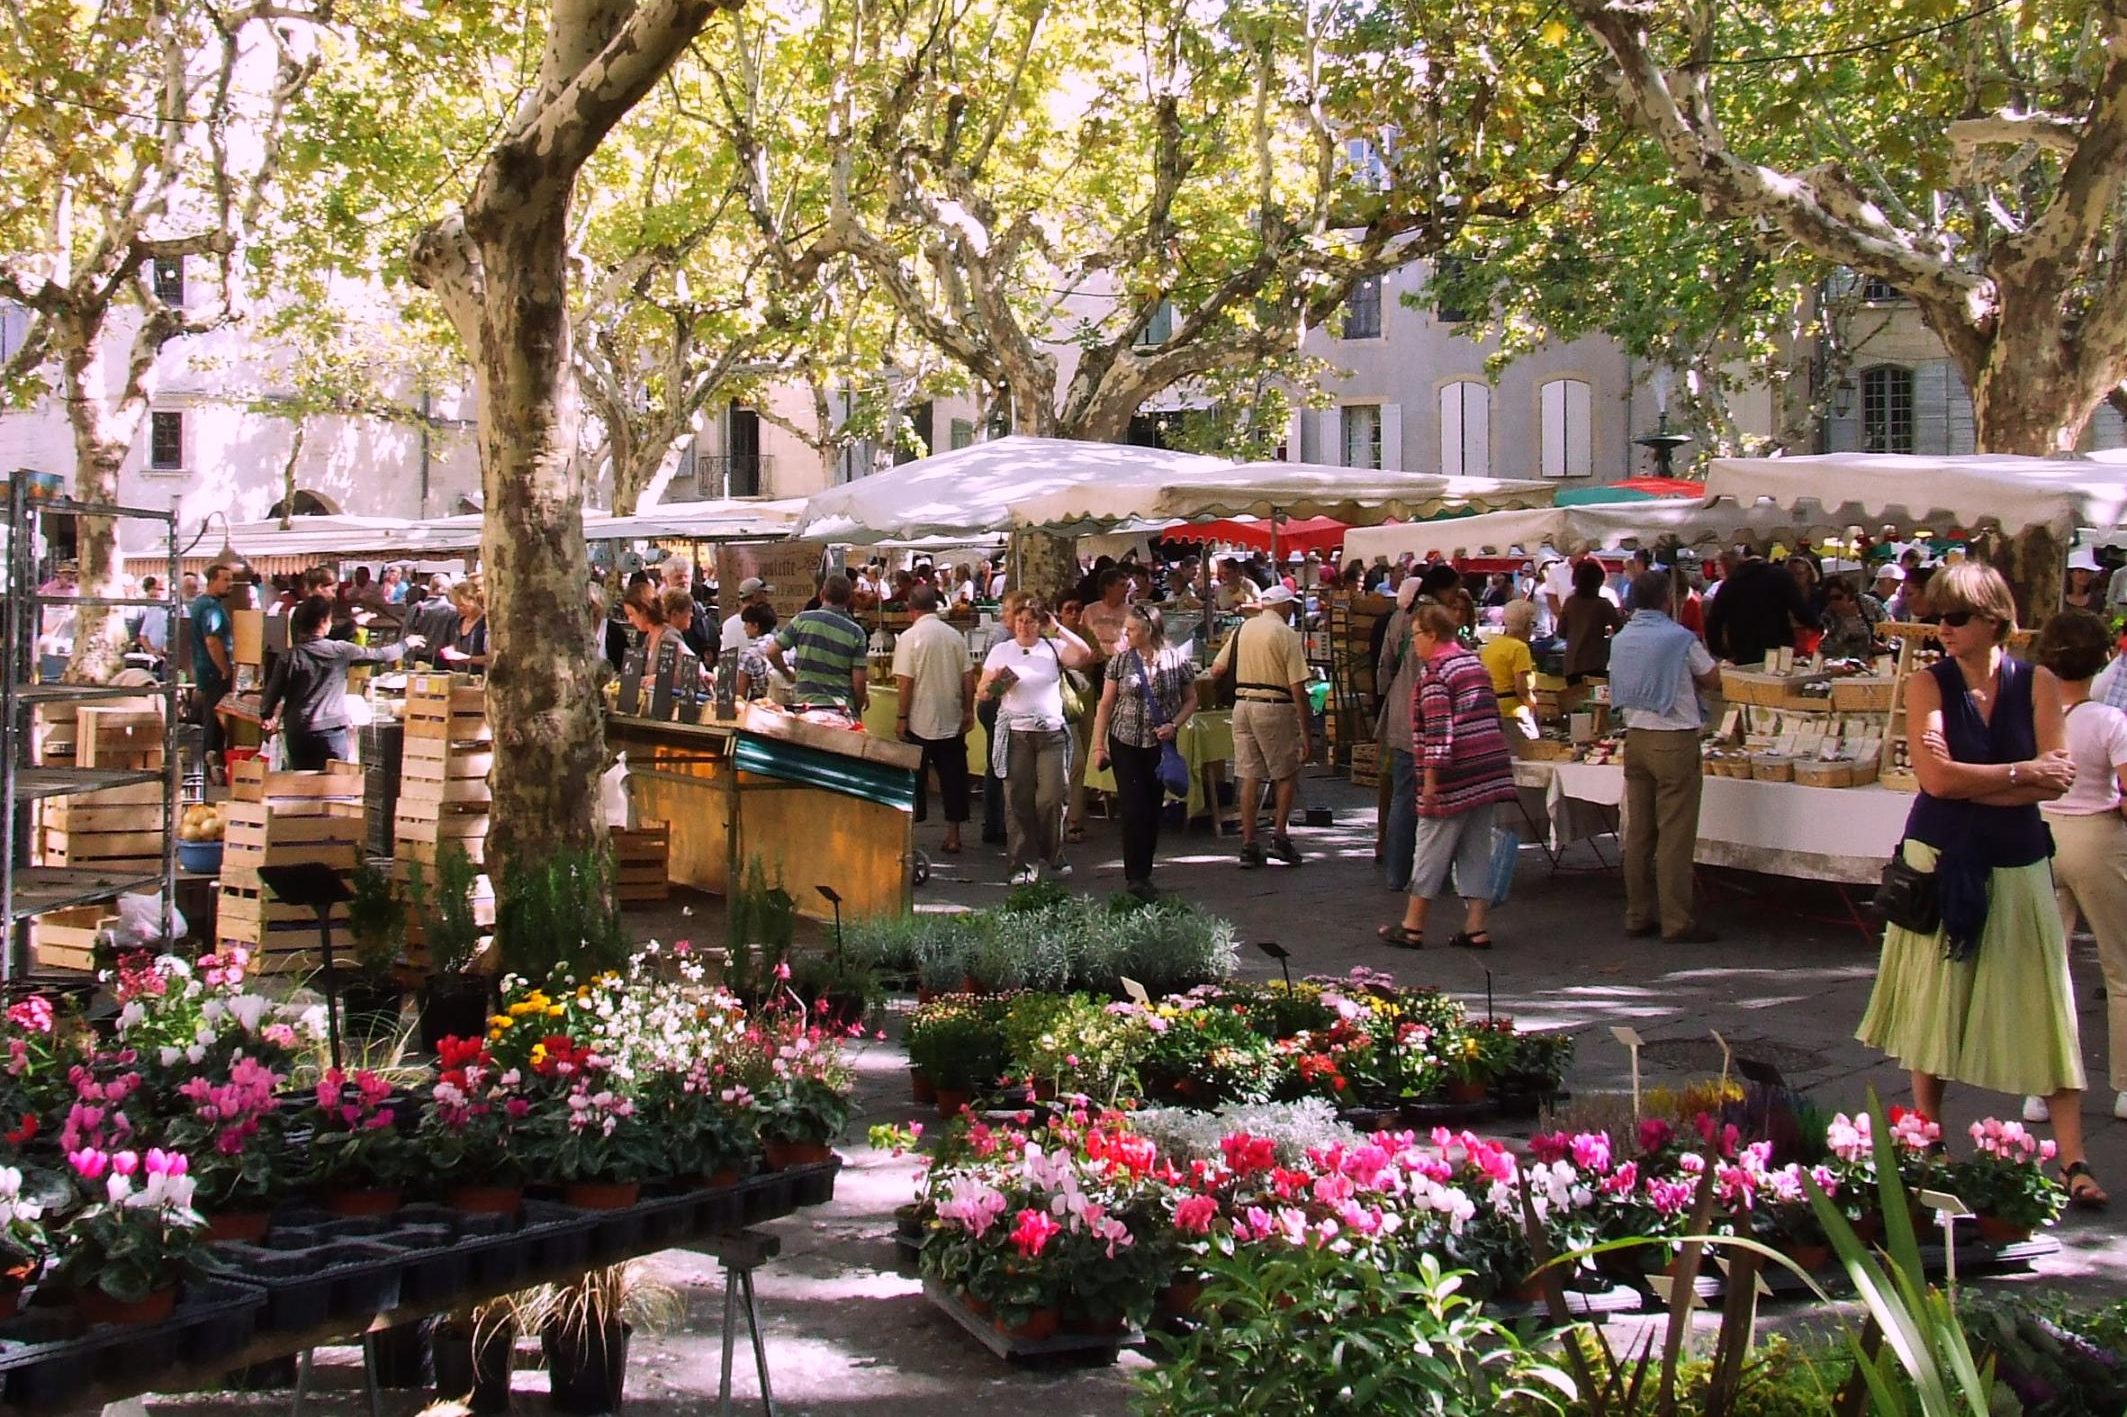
(1908, 898)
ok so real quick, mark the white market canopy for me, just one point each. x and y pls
(1597, 526)
(1874, 489)
(1355, 496)
(325, 537)
(723, 519)
(971, 491)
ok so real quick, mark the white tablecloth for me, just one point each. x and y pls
(1843, 834)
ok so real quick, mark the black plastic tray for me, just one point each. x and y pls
(47, 1359)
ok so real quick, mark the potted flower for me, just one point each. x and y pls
(234, 1128)
(1788, 1221)
(803, 1103)
(474, 1130)
(454, 1001)
(358, 1156)
(124, 1253)
(584, 1133)
(23, 1243)
(709, 1125)
(2006, 1183)
(376, 920)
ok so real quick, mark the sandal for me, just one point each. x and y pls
(1464, 940)
(2084, 1193)
(1398, 938)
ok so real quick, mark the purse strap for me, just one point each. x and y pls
(1153, 707)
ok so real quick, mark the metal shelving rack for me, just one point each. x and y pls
(27, 890)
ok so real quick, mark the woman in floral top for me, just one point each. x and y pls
(1464, 770)
(1148, 693)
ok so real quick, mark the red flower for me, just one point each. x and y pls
(1033, 1231)
(16, 1136)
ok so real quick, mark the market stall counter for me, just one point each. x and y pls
(818, 806)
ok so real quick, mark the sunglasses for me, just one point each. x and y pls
(1958, 619)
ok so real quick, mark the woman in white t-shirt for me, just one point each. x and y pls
(2089, 830)
(1031, 745)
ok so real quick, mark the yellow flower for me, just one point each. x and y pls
(500, 1022)
(539, 1054)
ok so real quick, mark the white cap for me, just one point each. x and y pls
(2083, 559)
(752, 585)
(1890, 571)
(1276, 595)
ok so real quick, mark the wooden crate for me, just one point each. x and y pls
(109, 737)
(281, 938)
(66, 939)
(445, 707)
(249, 781)
(52, 736)
(290, 832)
(640, 862)
(435, 770)
(420, 826)
(114, 826)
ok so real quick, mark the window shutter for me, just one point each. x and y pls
(1452, 446)
(1392, 437)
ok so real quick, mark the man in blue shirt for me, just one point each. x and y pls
(213, 661)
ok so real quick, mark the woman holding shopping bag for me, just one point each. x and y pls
(1464, 771)
(1147, 694)
(1031, 748)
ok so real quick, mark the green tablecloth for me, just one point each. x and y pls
(1206, 739)
(885, 707)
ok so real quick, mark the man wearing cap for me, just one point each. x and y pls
(1876, 600)
(1270, 723)
(752, 591)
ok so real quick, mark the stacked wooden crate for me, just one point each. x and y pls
(285, 819)
(116, 828)
(641, 861)
(66, 939)
(443, 771)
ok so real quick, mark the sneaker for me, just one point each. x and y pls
(1061, 870)
(2119, 1105)
(1283, 851)
(2035, 1110)
(1251, 855)
(1025, 876)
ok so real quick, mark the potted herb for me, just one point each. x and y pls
(2006, 1183)
(359, 1159)
(376, 922)
(584, 1329)
(124, 1253)
(954, 1043)
(235, 1127)
(474, 1129)
(474, 1351)
(23, 1243)
(456, 998)
(560, 914)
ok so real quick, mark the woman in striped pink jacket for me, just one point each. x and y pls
(1464, 771)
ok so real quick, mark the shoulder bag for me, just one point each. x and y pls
(1173, 768)
(1909, 898)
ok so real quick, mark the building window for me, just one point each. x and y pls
(166, 442)
(1368, 168)
(1159, 327)
(170, 279)
(1445, 308)
(1887, 409)
(963, 433)
(1362, 435)
(1466, 429)
(1362, 310)
(1875, 290)
(1568, 429)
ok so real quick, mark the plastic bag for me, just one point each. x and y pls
(617, 802)
(1506, 851)
(136, 928)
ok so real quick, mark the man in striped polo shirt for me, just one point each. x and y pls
(829, 649)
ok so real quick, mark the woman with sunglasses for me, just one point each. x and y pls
(1147, 694)
(1985, 998)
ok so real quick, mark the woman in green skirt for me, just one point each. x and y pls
(1985, 999)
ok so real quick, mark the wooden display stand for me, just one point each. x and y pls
(284, 819)
(444, 764)
(117, 828)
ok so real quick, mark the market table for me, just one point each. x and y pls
(882, 712)
(1839, 834)
(1206, 744)
(1560, 821)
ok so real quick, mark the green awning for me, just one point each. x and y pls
(852, 777)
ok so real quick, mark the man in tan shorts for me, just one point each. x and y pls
(1270, 723)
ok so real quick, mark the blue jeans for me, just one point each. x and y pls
(1399, 844)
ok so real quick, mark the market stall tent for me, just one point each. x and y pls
(1302, 534)
(1354, 496)
(1874, 489)
(1602, 526)
(722, 519)
(971, 491)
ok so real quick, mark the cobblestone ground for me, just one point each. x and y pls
(847, 1328)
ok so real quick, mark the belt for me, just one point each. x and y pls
(1263, 698)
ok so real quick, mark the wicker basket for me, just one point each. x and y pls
(1772, 767)
(1833, 772)
(1863, 694)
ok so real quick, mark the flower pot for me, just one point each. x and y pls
(952, 1101)
(587, 1366)
(782, 1155)
(840, 1012)
(980, 1308)
(473, 1367)
(1996, 1231)
(98, 1307)
(454, 1006)
(487, 1200)
(723, 1178)
(249, 1226)
(1040, 1324)
(1096, 1324)
(1464, 1093)
(1528, 1291)
(12, 1282)
(1043, 1090)
(1869, 1227)
(361, 1200)
(371, 1008)
(601, 1195)
(920, 1087)
(1811, 1257)
(1179, 1299)
(400, 1357)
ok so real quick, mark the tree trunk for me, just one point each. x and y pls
(1043, 563)
(101, 437)
(542, 689)
(2034, 563)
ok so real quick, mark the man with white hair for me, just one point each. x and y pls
(1270, 720)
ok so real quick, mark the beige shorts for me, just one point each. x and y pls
(1266, 741)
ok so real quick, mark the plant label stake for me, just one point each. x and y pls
(320, 887)
(1632, 1042)
(1948, 1211)
(834, 898)
(1661, 1285)
(1136, 992)
(1728, 1058)
(1282, 955)
(1489, 1016)
(1757, 1277)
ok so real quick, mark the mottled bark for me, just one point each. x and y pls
(1043, 563)
(101, 437)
